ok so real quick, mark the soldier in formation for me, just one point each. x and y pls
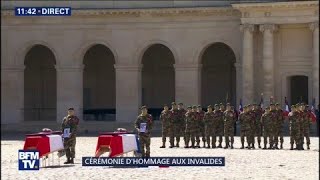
(200, 114)
(69, 128)
(165, 118)
(228, 126)
(176, 126)
(191, 130)
(143, 125)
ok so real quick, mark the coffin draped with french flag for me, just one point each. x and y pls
(45, 144)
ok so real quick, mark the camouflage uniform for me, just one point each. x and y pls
(176, 129)
(279, 128)
(166, 125)
(220, 125)
(191, 128)
(70, 143)
(144, 137)
(274, 125)
(295, 131)
(182, 114)
(267, 129)
(244, 120)
(306, 123)
(209, 127)
(258, 127)
(229, 127)
(201, 129)
(252, 124)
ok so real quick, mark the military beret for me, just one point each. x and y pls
(209, 106)
(228, 104)
(189, 107)
(173, 103)
(271, 104)
(143, 107)
(216, 105)
(180, 104)
(221, 104)
(277, 104)
(194, 106)
(70, 109)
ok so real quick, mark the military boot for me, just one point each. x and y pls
(171, 145)
(242, 145)
(67, 162)
(204, 144)
(231, 146)
(163, 145)
(71, 161)
(291, 147)
(220, 146)
(213, 145)
(259, 145)
(253, 146)
(281, 146)
(177, 145)
(264, 146)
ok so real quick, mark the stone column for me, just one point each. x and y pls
(247, 63)
(188, 83)
(315, 65)
(268, 60)
(128, 92)
(69, 91)
(238, 83)
(12, 94)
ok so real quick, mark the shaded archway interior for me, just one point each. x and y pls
(99, 94)
(40, 87)
(218, 75)
(158, 76)
(299, 89)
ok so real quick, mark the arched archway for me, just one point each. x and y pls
(99, 92)
(218, 75)
(158, 77)
(298, 89)
(40, 84)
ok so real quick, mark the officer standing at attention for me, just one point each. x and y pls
(166, 124)
(69, 129)
(200, 114)
(209, 126)
(228, 126)
(182, 115)
(175, 125)
(221, 124)
(144, 125)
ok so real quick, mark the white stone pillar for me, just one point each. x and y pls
(69, 91)
(247, 63)
(315, 65)
(128, 92)
(268, 61)
(188, 83)
(238, 83)
(12, 94)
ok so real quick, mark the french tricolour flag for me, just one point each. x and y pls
(313, 111)
(286, 108)
(123, 144)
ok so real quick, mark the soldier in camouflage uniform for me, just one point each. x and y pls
(252, 123)
(70, 122)
(166, 124)
(197, 124)
(209, 126)
(182, 114)
(220, 124)
(295, 136)
(144, 137)
(279, 126)
(228, 126)
(200, 114)
(274, 124)
(244, 127)
(175, 122)
(191, 130)
(306, 121)
(258, 128)
(267, 128)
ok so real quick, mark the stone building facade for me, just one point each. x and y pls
(122, 58)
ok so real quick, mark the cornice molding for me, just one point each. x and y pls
(160, 12)
(276, 5)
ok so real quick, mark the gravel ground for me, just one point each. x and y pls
(240, 164)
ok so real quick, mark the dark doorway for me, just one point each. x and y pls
(299, 89)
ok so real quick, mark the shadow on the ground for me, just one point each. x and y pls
(58, 166)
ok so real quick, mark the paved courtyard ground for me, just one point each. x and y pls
(240, 164)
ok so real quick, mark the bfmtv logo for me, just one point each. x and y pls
(28, 160)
